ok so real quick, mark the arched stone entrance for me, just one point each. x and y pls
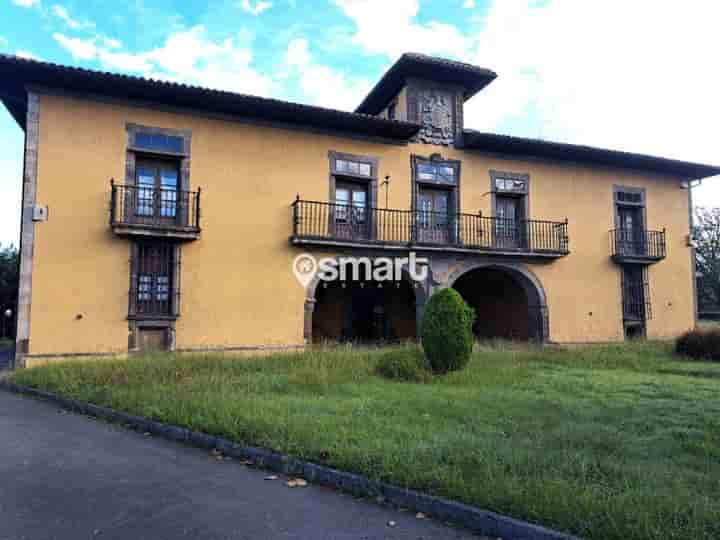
(508, 300)
(363, 311)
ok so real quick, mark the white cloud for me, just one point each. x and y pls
(605, 73)
(111, 43)
(80, 49)
(388, 27)
(62, 13)
(321, 84)
(257, 9)
(22, 53)
(124, 61)
(186, 56)
(635, 76)
(469, 4)
(298, 54)
(192, 57)
(26, 3)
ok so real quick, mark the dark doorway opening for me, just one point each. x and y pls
(364, 311)
(507, 305)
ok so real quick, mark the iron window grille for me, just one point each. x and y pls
(636, 294)
(154, 283)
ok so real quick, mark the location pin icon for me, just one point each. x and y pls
(304, 267)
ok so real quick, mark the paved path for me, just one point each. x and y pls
(68, 477)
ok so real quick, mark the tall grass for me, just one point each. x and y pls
(609, 442)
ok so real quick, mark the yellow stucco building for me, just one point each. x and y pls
(158, 215)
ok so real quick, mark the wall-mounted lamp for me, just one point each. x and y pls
(386, 183)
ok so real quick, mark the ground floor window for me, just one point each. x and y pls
(153, 289)
(635, 300)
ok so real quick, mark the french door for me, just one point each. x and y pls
(434, 223)
(351, 214)
(156, 190)
(630, 237)
(509, 222)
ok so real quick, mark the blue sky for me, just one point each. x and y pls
(610, 73)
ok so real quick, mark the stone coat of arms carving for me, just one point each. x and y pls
(436, 117)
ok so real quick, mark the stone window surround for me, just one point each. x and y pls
(524, 194)
(136, 323)
(417, 183)
(133, 152)
(617, 189)
(370, 180)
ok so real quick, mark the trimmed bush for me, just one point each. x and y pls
(700, 344)
(447, 336)
(406, 364)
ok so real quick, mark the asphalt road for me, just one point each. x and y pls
(68, 477)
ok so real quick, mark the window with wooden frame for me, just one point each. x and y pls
(630, 237)
(353, 192)
(157, 185)
(510, 202)
(158, 175)
(436, 198)
(154, 287)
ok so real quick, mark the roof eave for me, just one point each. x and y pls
(415, 65)
(18, 74)
(506, 144)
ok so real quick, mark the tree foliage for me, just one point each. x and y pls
(707, 256)
(9, 259)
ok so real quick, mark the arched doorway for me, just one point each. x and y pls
(509, 301)
(363, 311)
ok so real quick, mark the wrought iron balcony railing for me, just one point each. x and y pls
(152, 211)
(320, 222)
(637, 245)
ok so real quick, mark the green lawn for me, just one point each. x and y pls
(612, 442)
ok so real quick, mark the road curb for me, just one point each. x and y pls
(475, 519)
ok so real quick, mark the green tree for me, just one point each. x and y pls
(706, 234)
(447, 336)
(9, 259)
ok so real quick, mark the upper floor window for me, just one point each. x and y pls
(436, 172)
(630, 236)
(157, 188)
(510, 208)
(351, 166)
(510, 184)
(353, 190)
(392, 111)
(629, 195)
(159, 142)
